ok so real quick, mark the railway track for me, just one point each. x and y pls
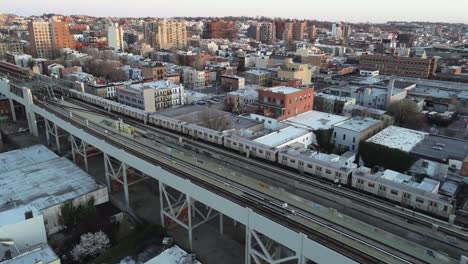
(148, 154)
(460, 234)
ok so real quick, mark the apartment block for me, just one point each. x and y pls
(171, 34)
(10, 47)
(154, 72)
(400, 66)
(61, 35)
(41, 39)
(220, 29)
(194, 79)
(115, 37)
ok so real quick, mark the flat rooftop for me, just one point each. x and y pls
(21, 158)
(43, 184)
(398, 138)
(173, 255)
(283, 90)
(358, 125)
(281, 137)
(440, 148)
(202, 115)
(162, 84)
(45, 254)
(315, 120)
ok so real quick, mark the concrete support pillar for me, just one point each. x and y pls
(47, 127)
(57, 139)
(12, 109)
(221, 224)
(125, 183)
(107, 173)
(32, 122)
(190, 227)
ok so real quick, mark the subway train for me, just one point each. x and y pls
(344, 172)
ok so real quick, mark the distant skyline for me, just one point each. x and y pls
(452, 11)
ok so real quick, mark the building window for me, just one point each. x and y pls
(344, 136)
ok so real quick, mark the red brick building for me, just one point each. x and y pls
(220, 30)
(284, 102)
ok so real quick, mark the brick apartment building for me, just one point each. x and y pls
(284, 102)
(154, 72)
(220, 30)
(400, 66)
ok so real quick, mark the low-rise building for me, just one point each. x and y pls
(348, 134)
(194, 79)
(238, 101)
(167, 93)
(284, 102)
(10, 47)
(139, 97)
(104, 90)
(291, 70)
(45, 190)
(19, 59)
(331, 103)
(154, 72)
(258, 77)
(232, 82)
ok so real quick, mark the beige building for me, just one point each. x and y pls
(194, 79)
(291, 70)
(11, 47)
(258, 77)
(171, 34)
(41, 39)
(115, 37)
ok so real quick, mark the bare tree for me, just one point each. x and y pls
(219, 123)
(406, 114)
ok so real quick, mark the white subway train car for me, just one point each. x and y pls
(166, 122)
(251, 148)
(203, 133)
(402, 193)
(330, 167)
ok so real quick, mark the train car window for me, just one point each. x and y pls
(328, 171)
(293, 161)
(267, 153)
(337, 174)
(394, 192)
(445, 208)
(309, 166)
(301, 163)
(260, 151)
(372, 185)
(319, 168)
(419, 200)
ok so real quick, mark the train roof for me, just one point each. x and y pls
(389, 178)
(331, 160)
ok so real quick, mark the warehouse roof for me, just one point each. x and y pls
(398, 138)
(43, 184)
(20, 158)
(358, 124)
(44, 254)
(173, 255)
(315, 120)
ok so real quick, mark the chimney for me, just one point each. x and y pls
(391, 85)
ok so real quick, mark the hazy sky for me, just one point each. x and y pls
(331, 10)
